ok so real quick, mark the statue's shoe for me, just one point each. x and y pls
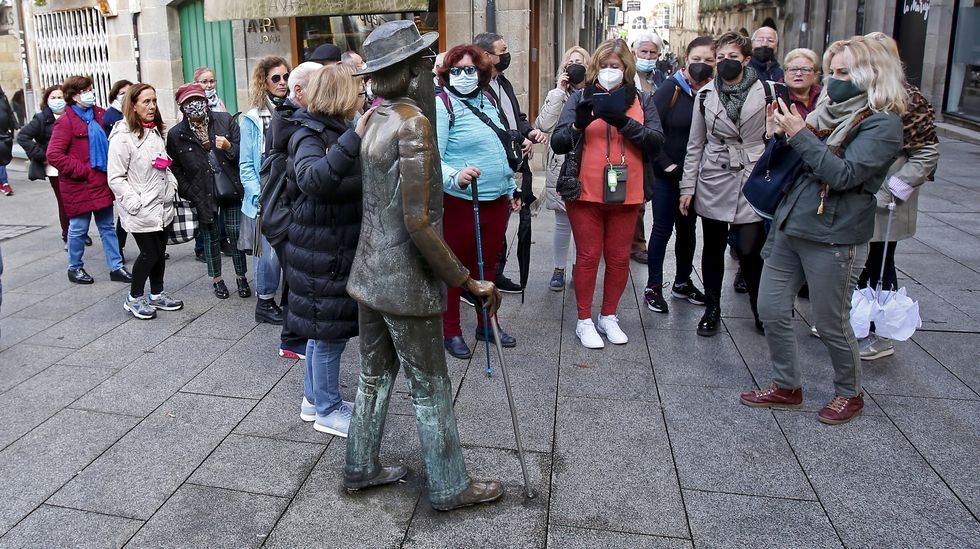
(386, 475)
(478, 492)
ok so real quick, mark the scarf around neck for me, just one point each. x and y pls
(733, 96)
(837, 117)
(98, 143)
(200, 129)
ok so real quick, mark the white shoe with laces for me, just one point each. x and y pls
(307, 411)
(609, 327)
(587, 334)
(336, 422)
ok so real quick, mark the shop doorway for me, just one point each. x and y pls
(204, 44)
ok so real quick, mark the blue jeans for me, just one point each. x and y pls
(666, 217)
(78, 228)
(3, 173)
(267, 271)
(321, 384)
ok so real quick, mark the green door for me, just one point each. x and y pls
(208, 45)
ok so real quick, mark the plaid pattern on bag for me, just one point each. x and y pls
(184, 224)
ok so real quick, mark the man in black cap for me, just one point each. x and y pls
(399, 276)
(326, 54)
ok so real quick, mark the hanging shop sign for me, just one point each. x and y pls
(223, 10)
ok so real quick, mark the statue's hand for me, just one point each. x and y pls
(486, 292)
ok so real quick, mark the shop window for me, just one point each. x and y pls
(964, 72)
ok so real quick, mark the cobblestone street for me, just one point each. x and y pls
(184, 431)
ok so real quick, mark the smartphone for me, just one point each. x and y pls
(603, 102)
(780, 91)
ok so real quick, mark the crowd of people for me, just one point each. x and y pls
(624, 129)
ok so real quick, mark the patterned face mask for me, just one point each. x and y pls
(196, 109)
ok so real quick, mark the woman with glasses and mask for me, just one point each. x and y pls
(675, 105)
(728, 129)
(802, 69)
(267, 91)
(471, 150)
(571, 77)
(79, 150)
(205, 77)
(618, 130)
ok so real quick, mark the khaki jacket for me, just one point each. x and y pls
(547, 121)
(145, 194)
(721, 155)
(913, 168)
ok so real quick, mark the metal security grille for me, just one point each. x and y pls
(73, 43)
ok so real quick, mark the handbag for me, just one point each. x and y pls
(185, 222)
(512, 140)
(568, 185)
(226, 192)
(771, 176)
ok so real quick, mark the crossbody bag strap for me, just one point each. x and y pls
(501, 134)
(622, 144)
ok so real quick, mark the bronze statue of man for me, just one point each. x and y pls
(400, 273)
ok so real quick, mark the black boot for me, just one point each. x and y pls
(267, 311)
(755, 313)
(244, 290)
(710, 321)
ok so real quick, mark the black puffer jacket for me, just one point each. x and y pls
(191, 166)
(325, 229)
(33, 138)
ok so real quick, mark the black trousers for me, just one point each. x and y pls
(150, 263)
(287, 336)
(872, 269)
(120, 234)
(749, 240)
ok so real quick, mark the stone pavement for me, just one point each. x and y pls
(184, 431)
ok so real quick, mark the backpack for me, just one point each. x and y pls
(278, 197)
(768, 86)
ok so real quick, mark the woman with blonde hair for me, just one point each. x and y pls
(618, 130)
(822, 226)
(323, 236)
(802, 69)
(571, 76)
(267, 91)
(918, 159)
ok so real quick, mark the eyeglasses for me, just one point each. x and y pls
(276, 78)
(468, 69)
(800, 70)
(209, 82)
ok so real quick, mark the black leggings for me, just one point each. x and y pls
(150, 263)
(749, 240)
(872, 268)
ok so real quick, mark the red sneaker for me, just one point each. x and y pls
(841, 410)
(6, 189)
(774, 397)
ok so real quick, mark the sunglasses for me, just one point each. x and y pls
(276, 78)
(468, 69)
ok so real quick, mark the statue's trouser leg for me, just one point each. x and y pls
(379, 366)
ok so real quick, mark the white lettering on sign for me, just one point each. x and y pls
(288, 4)
(916, 6)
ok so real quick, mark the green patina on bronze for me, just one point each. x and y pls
(221, 10)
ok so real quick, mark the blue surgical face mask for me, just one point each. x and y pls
(57, 105)
(87, 99)
(464, 83)
(646, 65)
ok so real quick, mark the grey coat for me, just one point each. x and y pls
(721, 155)
(547, 121)
(144, 194)
(912, 168)
(854, 178)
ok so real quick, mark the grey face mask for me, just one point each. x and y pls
(196, 109)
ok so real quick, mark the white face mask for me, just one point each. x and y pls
(464, 83)
(87, 99)
(610, 78)
(117, 104)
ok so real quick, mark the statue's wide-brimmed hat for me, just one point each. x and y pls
(393, 42)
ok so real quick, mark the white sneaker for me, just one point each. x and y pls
(336, 422)
(307, 411)
(586, 333)
(609, 327)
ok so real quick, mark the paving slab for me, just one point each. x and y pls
(258, 465)
(135, 476)
(15, 329)
(31, 403)
(23, 360)
(248, 369)
(947, 434)
(568, 537)
(957, 352)
(602, 477)
(202, 516)
(736, 521)
(913, 372)
(42, 461)
(84, 327)
(50, 526)
(277, 415)
(620, 380)
(721, 445)
(876, 488)
(698, 361)
(479, 526)
(151, 379)
(232, 320)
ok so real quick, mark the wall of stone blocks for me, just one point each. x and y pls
(11, 74)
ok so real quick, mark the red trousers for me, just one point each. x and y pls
(601, 231)
(458, 229)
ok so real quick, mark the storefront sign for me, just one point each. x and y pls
(222, 10)
(268, 28)
(911, 27)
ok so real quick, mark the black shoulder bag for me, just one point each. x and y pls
(568, 185)
(512, 140)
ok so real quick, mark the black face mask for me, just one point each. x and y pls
(700, 72)
(504, 62)
(729, 69)
(576, 73)
(764, 54)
